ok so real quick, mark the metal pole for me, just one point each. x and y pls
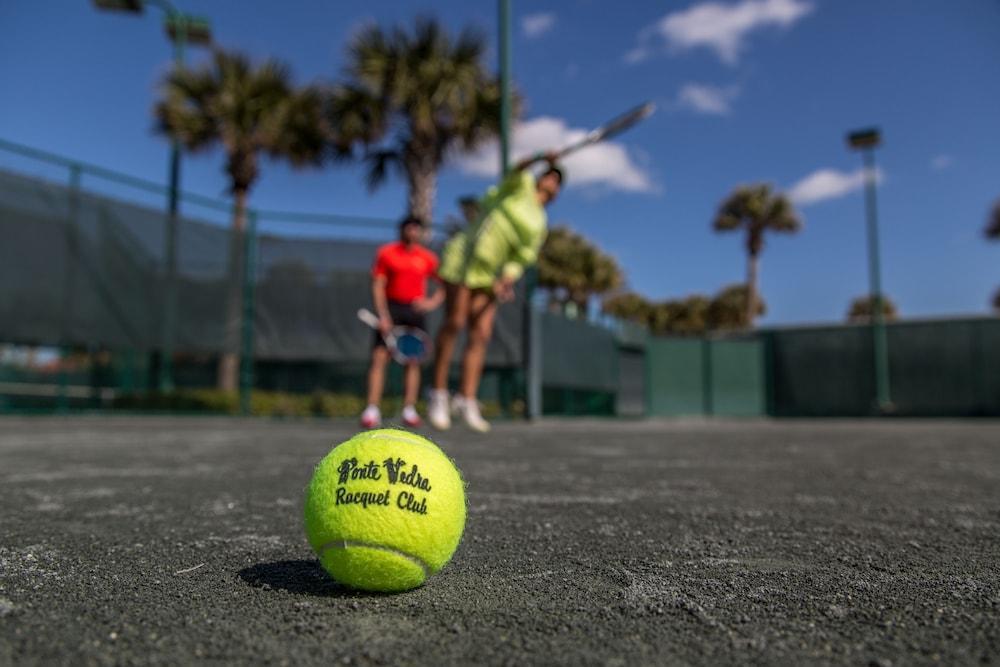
(505, 67)
(69, 282)
(249, 279)
(880, 344)
(531, 329)
(170, 288)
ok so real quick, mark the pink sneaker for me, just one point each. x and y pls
(411, 417)
(371, 417)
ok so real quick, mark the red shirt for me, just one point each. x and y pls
(406, 270)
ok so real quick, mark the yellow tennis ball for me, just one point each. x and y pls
(385, 510)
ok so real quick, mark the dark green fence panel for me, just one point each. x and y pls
(820, 372)
(936, 369)
(631, 398)
(676, 377)
(578, 355)
(945, 368)
(737, 378)
(989, 367)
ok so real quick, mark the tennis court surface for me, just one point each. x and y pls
(164, 541)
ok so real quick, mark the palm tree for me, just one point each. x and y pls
(863, 307)
(573, 269)
(247, 110)
(686, 317)
(756, 209)
(728, 309)
(410, 100)
(627, 306)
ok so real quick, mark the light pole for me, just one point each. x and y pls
(866, 141)
(181, 29)
(530, 330)
(504, 21)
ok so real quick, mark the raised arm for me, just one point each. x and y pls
(542, 156)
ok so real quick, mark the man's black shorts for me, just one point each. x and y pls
(403, 315)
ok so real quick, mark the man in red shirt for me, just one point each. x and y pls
(399, 292)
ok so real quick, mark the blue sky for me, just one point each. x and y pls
(748, 90)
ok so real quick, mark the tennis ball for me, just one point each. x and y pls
(385, 510)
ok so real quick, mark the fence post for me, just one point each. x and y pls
(647, 377)
(532, 352)
(72, 221)
(169, 323)
(247, 339)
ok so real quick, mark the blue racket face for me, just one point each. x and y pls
(411, 346)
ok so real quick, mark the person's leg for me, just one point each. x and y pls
(456, 312)
(372, 416)
(411, 384)
(482, 312)
(455, 316)
(376, 375)
(411, 389)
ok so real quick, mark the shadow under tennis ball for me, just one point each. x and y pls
(301, 577)
(294, 576)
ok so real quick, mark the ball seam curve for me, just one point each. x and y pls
(344, 544)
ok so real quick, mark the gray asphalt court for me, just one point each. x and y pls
(151, 540)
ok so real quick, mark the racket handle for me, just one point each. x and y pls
(368, 317)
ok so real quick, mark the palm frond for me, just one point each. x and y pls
(993, 224)
(247, 108)
(780, 215)
(297, 130)
(356, 115)
(756, 207)
(380, 163)
(426, 90)
(182, 112)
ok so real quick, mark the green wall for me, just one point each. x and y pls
(705, 377)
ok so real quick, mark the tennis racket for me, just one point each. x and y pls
(613, 127)
(407, 345)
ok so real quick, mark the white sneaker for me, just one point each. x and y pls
(410, 416)
(437, 409)
(473, 418)
(371, 417)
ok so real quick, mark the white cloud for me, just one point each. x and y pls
(942, 162)
(707, 99)
(536, 25)
(605, 164)
(720, 27)
(826, 184)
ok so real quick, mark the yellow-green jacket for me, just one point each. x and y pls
(506, 238)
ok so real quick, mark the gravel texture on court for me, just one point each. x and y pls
(165, 541)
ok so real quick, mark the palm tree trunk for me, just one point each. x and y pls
(422, 179)
(751, 289)
(229, 362)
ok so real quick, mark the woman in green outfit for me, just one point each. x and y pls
(479, 267)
